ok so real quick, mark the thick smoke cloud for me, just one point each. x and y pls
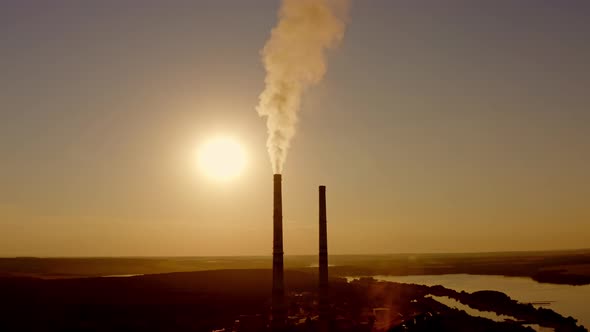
(295, 58)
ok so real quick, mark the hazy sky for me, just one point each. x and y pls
(441, 126)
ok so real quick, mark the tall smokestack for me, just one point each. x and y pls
(324, 309)
(279, 309)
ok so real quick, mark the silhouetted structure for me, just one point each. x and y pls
(324, 307)
(279, 308)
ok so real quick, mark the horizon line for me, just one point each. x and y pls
(301, 255)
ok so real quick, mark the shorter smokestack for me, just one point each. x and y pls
(324, 306)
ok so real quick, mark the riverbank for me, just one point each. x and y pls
(206, 300)
(564, 299)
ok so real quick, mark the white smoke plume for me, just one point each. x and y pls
(295, 58)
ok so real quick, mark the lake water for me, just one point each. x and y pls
(452, 303)
(564, 299)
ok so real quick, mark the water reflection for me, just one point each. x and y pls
(452, 303)
(564, 299)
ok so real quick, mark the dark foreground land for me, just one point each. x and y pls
(561, 267)
(207, 300)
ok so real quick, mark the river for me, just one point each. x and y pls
(564, 299)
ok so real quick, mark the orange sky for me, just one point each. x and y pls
(436, 129)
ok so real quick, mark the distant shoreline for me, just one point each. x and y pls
(570, 267)
(467, 253)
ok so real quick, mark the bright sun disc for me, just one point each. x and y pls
(222, 158)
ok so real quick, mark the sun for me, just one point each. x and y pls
(222, 158)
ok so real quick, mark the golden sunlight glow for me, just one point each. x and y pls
(222, 158)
